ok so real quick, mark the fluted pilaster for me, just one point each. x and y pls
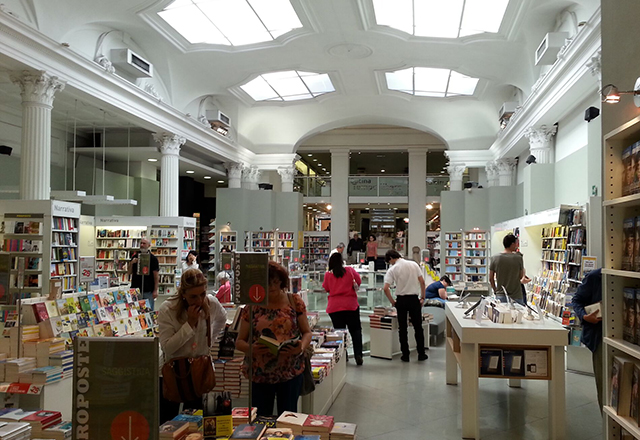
(170, 145)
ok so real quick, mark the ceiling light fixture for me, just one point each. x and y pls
(329, 207)
(315, 160)
(611, 95)
(220, 181)
(207, 177)
(190, 172)
(152, 160)
(309, 154)
(429, 206)
(382, 171)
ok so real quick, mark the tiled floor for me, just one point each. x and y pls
(398, 400)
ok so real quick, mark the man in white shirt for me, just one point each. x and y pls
(410, 291)
(339, 249)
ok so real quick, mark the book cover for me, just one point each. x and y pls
(71, 305)
(621, 378)
(319, 422)
(635, 382)
(85, 304)
(628, 244)
(274, 346)
(629, 314)
(277, 433)
(248, 431)
(513, 361)
(40, 312)
(491, 362)
(173, 427)
(307, 437)
(62, 306)
(344, 429)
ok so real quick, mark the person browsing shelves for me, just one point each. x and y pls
(339, 249)
(147, 283)
(438, 290)
(507, 270)
(410, 291)
(191, 262)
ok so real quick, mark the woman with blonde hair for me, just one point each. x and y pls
(183, 321)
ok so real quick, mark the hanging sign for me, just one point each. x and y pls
(251, 278)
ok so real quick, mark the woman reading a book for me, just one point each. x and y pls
(183, 321)
(278, 362)
(343, 309)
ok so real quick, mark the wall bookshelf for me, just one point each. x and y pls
(618, 207)
(211, 243)
(41, 240)
(475, 247)
(451, 263)
(261, 241)
(317, 246)
(229, 239)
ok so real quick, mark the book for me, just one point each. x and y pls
(277, 433)
(593, 308)
(274, 345)
(513, 361)
(16, 415)
(634, 410)
(293, 420)
(629, 314)
(628, 244)
(621, 377)
(343, 431)
(318, 423)
(248, 431)
(491, 362)
(173, 429)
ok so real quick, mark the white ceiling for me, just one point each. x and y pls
(340, 38)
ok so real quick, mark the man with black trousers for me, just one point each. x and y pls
(148, 287)
(410, 291)
(355, 245)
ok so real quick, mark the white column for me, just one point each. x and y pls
(234, 173)
(493, 178)
(541, 143)
(506, 168)
(250, 177)
(286, 175)
(37, 90)
(169, 172)
(456, 170)
(417, 198)
(339, 196)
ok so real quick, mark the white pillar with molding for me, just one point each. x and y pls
(286, 176)
(37, 90)
(234, 174)
(251, 177)
(339, 196)
(456, 170)
(417, 198)
(169, 172)
(493, 178)
(541, 143)
(506, 168)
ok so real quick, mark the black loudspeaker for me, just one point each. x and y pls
(265, 186)
(591, 113)
(5, 150)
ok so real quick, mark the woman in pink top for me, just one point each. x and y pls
(372, 248)
(343, 308)
(224, 293)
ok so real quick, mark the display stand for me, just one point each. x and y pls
(317, 245)
(617, 209)
(466, 339)
(41, 236)
(327, 391)
(476, 256)
(385, 342)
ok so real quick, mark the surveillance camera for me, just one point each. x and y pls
(6, 150)
(531, 159)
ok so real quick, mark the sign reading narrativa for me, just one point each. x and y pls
(115, 388)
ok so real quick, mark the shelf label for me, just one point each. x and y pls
(24, 388)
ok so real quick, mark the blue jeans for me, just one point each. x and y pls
(286, 392)
(149, 296)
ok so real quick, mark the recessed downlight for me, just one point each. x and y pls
(207, 177)
(152, 159)
(220, 181)
(190, 172)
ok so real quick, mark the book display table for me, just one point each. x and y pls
(385, 342)
(327, 391)
(531, 350)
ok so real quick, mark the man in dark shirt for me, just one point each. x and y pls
(590, 292)
(438, 290)
(147, 283)
(355, 245)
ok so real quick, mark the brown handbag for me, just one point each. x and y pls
(187, 379)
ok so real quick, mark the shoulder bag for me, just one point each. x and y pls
(356, 286)
(308, 385)
(187, 379)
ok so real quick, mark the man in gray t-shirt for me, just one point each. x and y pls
(507, 269)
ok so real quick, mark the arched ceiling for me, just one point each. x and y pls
(341, 40)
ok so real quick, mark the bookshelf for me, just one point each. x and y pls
(40, 238)
(618, 207)
(317, 246)
(453, 251)
(164, 245)
(229, 240)
(475, 247)
(211, 242)
(188, 240)
(261, 241)
(433, 244)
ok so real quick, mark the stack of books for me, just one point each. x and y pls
(240, 415)
(41, 349)
(318, 425)
(64, 360)
(30, 332)
(41, 376)
(232, 376)
(61, 431)
(343, 431)
(14, 414)
(42, 420)
(173, 430)
(194, 422)
(15, 431)
(14, 367)
(277, 433)
(293, 421)
(248, 431)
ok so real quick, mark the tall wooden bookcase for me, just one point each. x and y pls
(617, 208)
(41, 238)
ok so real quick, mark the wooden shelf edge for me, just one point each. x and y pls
(630, 200)
(621, 273)
(455, 353)
(626, 347)
(626, 422)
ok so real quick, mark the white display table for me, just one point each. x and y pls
(57, 396)
(465, 338)
(385, 343)
(326, 391)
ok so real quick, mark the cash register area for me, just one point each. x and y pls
(390, 399)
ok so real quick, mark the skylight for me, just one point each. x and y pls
(441, 18)
(424, 81)
(231, 23)
(291, 85)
